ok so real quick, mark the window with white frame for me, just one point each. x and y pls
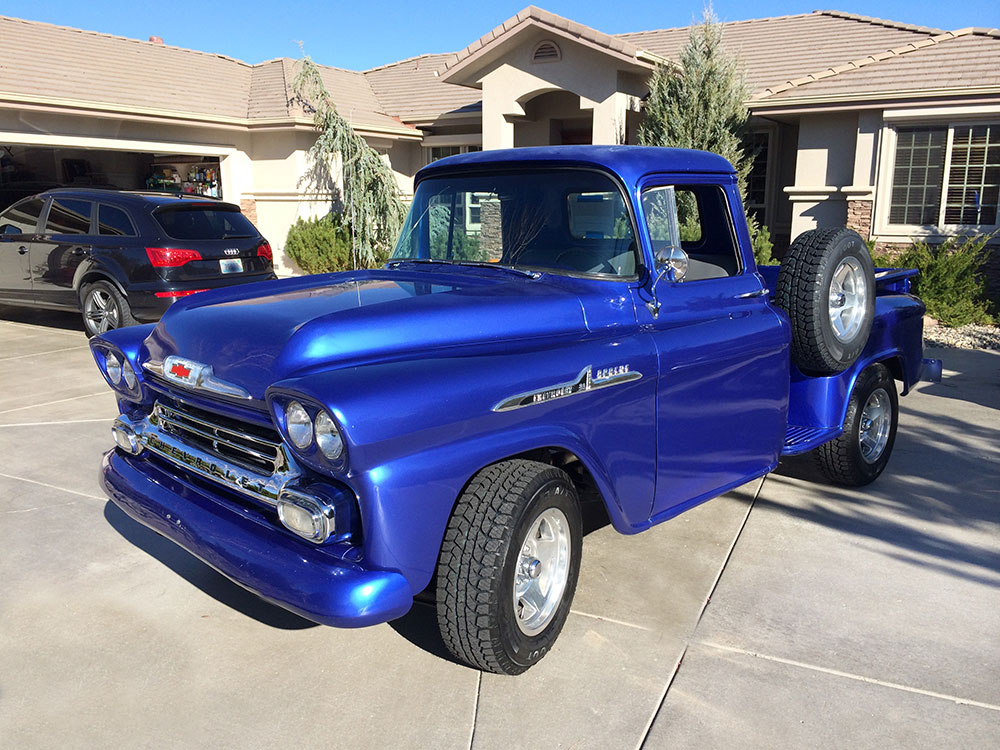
(757, 144)
(946, 175)
(439, 152)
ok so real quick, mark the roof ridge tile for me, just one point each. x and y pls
(878, 21)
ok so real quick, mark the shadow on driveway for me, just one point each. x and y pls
(197, 573)
(66, 321)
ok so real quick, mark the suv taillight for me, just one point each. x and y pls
(264, 251)
(171, 257)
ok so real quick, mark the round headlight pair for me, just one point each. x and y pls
(119, 370)
(302, 430)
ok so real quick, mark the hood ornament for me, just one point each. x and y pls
(587, 380)
(194, 375)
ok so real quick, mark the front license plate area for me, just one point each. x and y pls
(231, 265)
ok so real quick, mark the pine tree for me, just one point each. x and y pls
(370, 208)
(700, 105)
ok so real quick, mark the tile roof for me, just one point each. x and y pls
(824, 53)
(963, 59)
(42, 60)
(777, 49)
(413, 90)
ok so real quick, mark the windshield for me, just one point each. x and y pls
(568, 221)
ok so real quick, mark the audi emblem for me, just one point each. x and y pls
(232, 251)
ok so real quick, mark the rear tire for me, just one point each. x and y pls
(861, 453)
(826, 284)
(509, 566)
(104, 308)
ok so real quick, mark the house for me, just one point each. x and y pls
(891, 128)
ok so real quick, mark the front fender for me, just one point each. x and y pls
(417, 431)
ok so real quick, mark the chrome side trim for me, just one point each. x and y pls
(585, 381)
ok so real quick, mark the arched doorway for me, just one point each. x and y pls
(552, 119)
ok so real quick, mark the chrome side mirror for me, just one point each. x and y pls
(671, 264)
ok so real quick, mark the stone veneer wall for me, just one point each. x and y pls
(249, 208)
(859, 217)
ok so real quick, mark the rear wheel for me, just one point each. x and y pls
(104, 308)
(509, 566)
(862, 451)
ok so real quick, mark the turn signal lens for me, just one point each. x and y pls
(264, 251)
(113, 366)
(299, 425)
(171, 257)
(328, 436)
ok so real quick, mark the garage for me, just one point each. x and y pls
(29, 169)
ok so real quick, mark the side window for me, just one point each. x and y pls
(114, 221)
(22, 218)
(702, 220)
(68, 216)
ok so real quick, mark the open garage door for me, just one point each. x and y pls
(26, 170)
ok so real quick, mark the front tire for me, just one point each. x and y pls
(104, 308)
(509, 566)
(861, 453)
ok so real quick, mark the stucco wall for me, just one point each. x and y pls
(824, 164)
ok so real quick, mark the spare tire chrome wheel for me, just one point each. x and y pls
(826, 285)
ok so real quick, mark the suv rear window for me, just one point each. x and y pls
(204, 223)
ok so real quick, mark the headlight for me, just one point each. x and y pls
(299, 425)
(129, 375)
(328, 436)
(113, 367)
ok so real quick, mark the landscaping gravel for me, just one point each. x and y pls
(966, 337)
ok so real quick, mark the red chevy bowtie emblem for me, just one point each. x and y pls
(180, 370)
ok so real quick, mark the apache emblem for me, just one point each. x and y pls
(587, 380)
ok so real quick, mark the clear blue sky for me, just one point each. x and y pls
(361, 35)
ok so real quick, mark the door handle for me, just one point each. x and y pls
(751, 295)
(22, 250)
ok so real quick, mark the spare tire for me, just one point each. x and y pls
(827, 286)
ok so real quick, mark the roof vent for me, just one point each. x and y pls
(156, 39)
(546, 51)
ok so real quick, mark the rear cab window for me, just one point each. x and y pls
(203, 222)
(68, 216)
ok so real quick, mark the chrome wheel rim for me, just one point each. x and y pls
(100, 311)
(876, 419)
(542, 571)
(848, 299)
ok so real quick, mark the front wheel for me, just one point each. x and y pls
(509, 566)
(862, 451)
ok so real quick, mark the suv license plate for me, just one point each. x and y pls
(231, 265)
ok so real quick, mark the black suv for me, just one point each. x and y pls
(124, 257)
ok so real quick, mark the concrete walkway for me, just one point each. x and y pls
(786, 614)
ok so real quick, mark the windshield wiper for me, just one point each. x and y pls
(509, 269)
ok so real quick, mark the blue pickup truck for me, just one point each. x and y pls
(554, 326)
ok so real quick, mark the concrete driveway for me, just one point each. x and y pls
(786, 614)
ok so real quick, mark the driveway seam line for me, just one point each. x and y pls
(29, 327)
(41, 354)
(609, 619)
(475, 710)
(715, 584)
(50, 486)
(50, 424)
(851, 676)
(57, 401)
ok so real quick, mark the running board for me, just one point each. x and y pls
(800, 439)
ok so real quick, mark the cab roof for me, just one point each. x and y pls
(630, 163)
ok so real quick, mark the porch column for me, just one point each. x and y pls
(498, 131)
(609, 119)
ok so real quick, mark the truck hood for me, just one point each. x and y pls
(257, 334)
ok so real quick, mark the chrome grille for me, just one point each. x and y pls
(250, 446)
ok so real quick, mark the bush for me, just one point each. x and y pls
(321, 245)
(760, 240)
(950, 282)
